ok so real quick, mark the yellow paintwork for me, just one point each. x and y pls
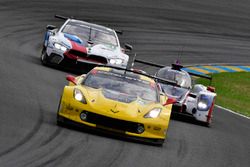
(199, 70)
(215, 68)
(155, 128)
(235, 68)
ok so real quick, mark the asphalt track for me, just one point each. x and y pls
(195, 31)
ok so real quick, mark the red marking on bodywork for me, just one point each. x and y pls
(82, 49)
(71, 79)
(94, 71)
(70, 55)
(184, 101)
(170, 101)
(211, 89)
(76, 47)
(209, 116)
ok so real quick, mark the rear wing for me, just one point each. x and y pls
(71, 17)
(175, 66)
(63, 17)
(156, 79)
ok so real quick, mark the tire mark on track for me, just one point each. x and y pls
(58, 158)
(118, 155)
(53, 136)
(27, 137)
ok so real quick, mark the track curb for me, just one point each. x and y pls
(233, 112)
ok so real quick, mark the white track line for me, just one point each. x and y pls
(233, 112)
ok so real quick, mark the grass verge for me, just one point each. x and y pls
(233, 90)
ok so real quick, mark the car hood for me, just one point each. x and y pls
(108, 106)
(108, 51)
(105, 50)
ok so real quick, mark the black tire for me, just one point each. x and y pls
(44, 56)
(59, 122)
(208, 124)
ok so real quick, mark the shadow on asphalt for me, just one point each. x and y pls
(109, 134)
(187, 119)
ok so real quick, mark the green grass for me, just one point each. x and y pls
(233, 90)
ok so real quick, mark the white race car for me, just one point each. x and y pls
(196, 101)
(200, 103)
(80, 45)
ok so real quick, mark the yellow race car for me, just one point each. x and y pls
(116, 100)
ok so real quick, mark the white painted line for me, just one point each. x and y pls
(233, 112)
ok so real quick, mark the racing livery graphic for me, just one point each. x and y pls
(117, 100)
(80, 44)
(196, 101)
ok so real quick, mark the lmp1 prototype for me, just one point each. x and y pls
(197, 101)
(82, 45)
(116, 100)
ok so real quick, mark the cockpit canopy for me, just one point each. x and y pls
(182, 78)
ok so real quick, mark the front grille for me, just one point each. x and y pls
(112, 122)
(77, 53)
(84, 56)
(99, 59)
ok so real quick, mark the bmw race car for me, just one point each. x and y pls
(80, 45)
(116, 100)
(197, 101)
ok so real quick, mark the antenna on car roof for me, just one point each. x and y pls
(119, 32)
(180, 53)
(90, 31)
(177, 65)
(133, 61)
(64, 17)
(130, 64)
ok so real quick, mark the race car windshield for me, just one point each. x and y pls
(86, 33)
(121, 87)
(173, 91)
(181, 78)
(103, 37)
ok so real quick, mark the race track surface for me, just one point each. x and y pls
(194, 31)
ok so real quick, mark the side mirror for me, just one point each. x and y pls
(83, 75)
(119, 32)
(170, 101)
(192, 95)
(211, 89)
(50, 27)
(90, 42)
(162, 94)
(72, 79)
(128, 47)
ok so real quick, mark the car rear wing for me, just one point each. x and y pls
(66, 18)
(176, 66)
(63, 17)
(156, 79)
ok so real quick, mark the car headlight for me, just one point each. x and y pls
(116, 61)
(60, 47)
(78, 95)
(204, 102)
(153, 113)
(202, 105)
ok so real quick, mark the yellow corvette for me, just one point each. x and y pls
(116, 100)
